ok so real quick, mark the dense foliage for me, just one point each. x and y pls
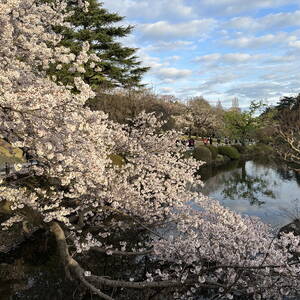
(242, 125)
(202, 153)
(229, 151)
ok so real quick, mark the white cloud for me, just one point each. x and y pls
(231, 7)
(154, 9)
(173, 45)
(259, 90)
(271, 21)
(244, 23)
(239, 57)
(151, 61)
(219, 79)
(209, 58)
(249, 49)
(229, 58)
(173, 73)
(174, 58)
(295, 44)
(166, 90)
(184, 9)
(164, 30)
(268, 40)
(281, 59)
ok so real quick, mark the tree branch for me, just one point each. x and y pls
(118, 252)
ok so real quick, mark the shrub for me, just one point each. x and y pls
(240, 148)
(202, 153)
(229, 151)
(260, 150)
(213, 150)
(188, 154)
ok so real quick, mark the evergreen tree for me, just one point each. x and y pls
(119, 64)
(291, 103)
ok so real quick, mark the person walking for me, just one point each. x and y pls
(7, 169)
(191, 143)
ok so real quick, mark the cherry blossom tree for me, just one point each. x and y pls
(89, 202)
(198, 116)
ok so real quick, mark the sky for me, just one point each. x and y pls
(218, 49)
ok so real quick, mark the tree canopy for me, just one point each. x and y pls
(242, 125)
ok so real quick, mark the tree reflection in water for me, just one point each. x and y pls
(237, 183)
(241, 185)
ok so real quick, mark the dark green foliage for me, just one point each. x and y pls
(260, 150)
(188, 154)
(240, 148)
(202, 153)
(221, 160)
(213, 150)
(291, 103)
(120, 66)
(229, 151)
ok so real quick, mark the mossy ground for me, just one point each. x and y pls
(9, 154)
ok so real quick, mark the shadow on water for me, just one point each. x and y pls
(34, 271)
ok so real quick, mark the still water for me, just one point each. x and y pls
(267, 190)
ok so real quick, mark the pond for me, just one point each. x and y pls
(256, 188)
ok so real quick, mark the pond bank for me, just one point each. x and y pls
(221, 155)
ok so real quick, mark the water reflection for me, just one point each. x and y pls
(241, 185)
(256, 188)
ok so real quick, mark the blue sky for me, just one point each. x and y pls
(219, 49)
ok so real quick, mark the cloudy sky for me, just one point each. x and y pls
(219, 49)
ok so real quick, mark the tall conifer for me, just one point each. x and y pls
(120, 65)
